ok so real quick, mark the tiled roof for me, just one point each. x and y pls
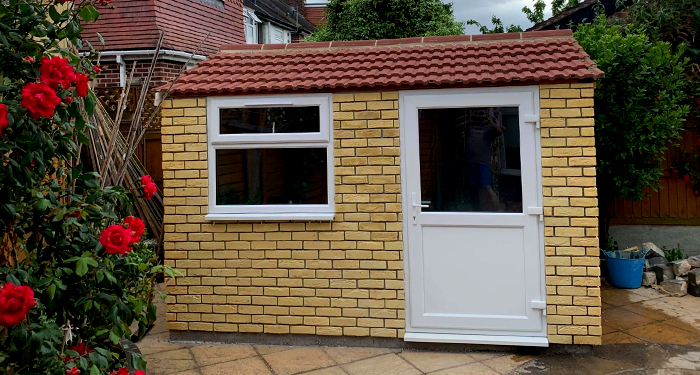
(464, 60)
(136, 24)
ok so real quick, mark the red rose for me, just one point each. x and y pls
(74, 370)
(697, 142)
(116, 239)
(82, 349)
(149, 187)
(68, 99)
(121, 371)
(39, 100)
(3, 117)
(15, 302)
(28, 60)
(97, 69)
(56, 73)
(686, 178)
(136, 226)
(139, 372)
(81, 85)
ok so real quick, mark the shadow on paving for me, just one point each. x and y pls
(627, 359)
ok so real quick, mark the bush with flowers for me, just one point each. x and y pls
(75, 274)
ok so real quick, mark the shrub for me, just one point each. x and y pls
(76, 274)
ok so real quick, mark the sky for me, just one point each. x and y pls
(510, 12)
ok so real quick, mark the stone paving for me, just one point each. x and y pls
(645, 332)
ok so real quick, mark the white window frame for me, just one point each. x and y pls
(322, 139)
(251, 25)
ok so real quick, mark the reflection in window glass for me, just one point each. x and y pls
(270, 120)
(271, 176)
(470, 159)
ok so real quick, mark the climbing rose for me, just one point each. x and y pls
(73, 371)
(28, 60)
(56, 73)
(3, 117)
(81, 85)
(15, 302)
(97, 69)
(149, 187)
(39, 100)
(82, 349)
(68, 99)
(136, 226)
(686, 178)
(116, 239)
(121, 371)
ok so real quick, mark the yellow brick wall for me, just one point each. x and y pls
(571, 214)
(346, 277)
(326, 278)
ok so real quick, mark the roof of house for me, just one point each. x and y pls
(136, 24)
(584, 12)
(464, 60)
(277, 11)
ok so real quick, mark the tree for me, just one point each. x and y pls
(497, 26)
(387, 19)
(536, 15)
(640, 107)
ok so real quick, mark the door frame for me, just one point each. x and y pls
(445, 336)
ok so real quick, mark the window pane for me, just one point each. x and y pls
(270, 120)
(271, 176)
(470, 159)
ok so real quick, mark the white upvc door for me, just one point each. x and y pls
(472, 209)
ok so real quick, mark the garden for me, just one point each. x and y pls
(77, 280)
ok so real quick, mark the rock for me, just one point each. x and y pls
(694, 277)
(677, 288)
(655, 251)
(694, 262)
(694, 290)
(649, 278)
(663, 273)
(650, 263)
(681, 267)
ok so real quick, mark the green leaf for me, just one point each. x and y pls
(86, 14)
(53, 13)
(94, 370)
(81, 267)
(102, 40)
(90, 102)
(42, 204)
(113, 337)
(51, 290)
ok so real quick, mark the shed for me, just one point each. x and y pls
(432, 189)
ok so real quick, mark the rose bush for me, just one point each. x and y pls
(74, 275)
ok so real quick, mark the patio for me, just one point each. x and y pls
(661, 333)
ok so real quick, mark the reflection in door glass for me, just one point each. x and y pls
(470, 159)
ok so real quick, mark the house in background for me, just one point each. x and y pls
(131, 29)
(584, 12)
(275, 21)
(315, 11)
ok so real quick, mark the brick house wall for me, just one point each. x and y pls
(165, 72)
(345, 277)
(571, 214)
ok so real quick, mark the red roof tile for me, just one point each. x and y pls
(414, 62)
(136, 24)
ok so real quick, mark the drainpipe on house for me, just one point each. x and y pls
(122, 71)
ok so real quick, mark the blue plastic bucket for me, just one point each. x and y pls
(624, 271)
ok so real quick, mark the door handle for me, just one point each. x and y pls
(415, 203)
(536, 211)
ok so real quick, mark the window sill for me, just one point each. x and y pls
(322, 216)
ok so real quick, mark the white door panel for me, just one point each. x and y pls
(472, 211)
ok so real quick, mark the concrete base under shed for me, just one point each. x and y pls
(670, 236)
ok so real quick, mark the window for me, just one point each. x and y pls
(250, 23)
(270, 158)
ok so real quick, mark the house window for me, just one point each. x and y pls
(270, 158)
(250, 23)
